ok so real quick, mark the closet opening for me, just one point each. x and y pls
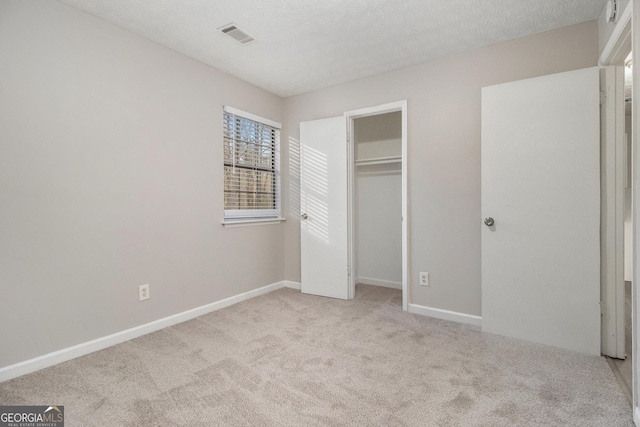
(377, 194)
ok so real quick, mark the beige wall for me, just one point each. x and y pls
(444, 150)
(111, 177)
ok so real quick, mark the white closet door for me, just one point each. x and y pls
(323, 204)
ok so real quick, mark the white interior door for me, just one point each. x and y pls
(541, 185)
(323, 207)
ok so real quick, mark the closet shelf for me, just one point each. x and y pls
(379, 161)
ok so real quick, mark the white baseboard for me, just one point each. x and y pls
(53, 358)
(292, 285)
(379, 282)
(636, 416)
(453, 316)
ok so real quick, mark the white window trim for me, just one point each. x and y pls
(243, 217)
(253, 117)
(243, 222)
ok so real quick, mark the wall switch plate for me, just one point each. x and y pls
(144, 292)
(424, 279)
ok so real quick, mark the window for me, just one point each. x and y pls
(251, 166)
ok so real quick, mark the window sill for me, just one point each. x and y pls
(244, 222)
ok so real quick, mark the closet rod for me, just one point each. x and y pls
(379, 160)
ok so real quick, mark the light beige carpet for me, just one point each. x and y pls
(287, 359)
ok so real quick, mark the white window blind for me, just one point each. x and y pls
(251, 166)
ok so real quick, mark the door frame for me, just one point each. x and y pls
(350, 117)
(612, 256)
(635, 129)
(612, 166)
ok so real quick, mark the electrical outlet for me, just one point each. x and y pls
(144, 292)
(424, 279)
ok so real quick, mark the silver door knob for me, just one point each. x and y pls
(489, 221)
(304, 216)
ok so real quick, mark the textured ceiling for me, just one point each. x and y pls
(302, 45)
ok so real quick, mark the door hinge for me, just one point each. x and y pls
(348, 270)
(603, 97)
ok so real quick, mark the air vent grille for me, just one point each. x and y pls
(236, 33)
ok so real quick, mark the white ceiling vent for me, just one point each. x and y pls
(236, 33)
